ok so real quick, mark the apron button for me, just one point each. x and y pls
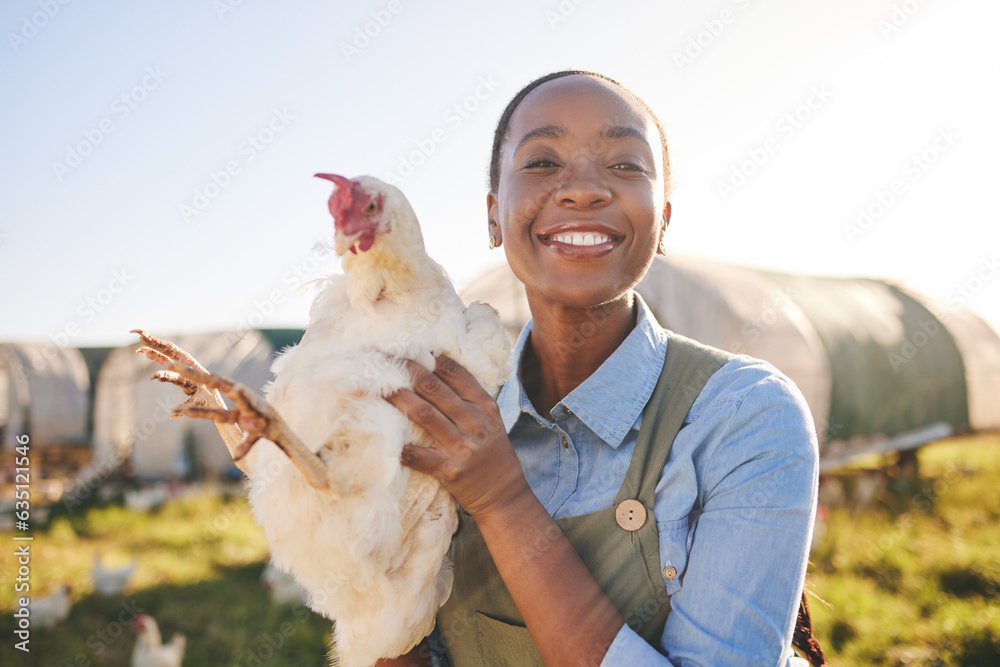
(669, 573)
(630, 515)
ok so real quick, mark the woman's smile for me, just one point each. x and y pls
(580, 239)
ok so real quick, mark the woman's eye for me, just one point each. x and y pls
(540, 164)
(628, 166)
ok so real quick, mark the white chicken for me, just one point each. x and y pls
(366, 536)
(50, 611)
(147, 499)
(110, 582)
(150, 651)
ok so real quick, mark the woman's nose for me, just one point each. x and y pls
(583, 184)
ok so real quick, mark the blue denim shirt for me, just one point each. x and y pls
(734, 507)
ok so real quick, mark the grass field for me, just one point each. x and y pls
(912, 579)
(200, 561)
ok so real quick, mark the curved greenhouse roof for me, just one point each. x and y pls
(44, 392)
(881, 366)
(132, 415)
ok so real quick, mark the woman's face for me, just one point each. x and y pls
(580, 205)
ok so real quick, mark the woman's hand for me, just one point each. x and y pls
(569, 617)
(471, 454)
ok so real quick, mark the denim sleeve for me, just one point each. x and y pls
(628, 648)
(741, 554)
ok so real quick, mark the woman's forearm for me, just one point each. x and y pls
(570, 619)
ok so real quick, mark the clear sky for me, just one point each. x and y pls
(157, 158)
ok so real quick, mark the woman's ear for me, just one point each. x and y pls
(661, 248)
(496, 235)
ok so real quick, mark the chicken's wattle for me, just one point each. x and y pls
(363, 243)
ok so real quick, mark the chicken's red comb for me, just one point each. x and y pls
(340, 200)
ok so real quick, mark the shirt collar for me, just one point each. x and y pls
(628, 375)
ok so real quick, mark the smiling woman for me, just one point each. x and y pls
(588, 149)
(594, 528)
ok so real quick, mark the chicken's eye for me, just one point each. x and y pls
(371, 207)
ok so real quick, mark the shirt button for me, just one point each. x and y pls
(630, 515)
(669, 573)
(567, 411)
(565, 443)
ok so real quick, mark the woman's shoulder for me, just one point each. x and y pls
(742, 378)
(748, 411)
(737, 376)
(750, 395)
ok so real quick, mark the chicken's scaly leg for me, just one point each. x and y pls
(259, 419)
(256, 416)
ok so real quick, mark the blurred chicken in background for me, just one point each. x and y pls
(149, 650)
(111, 582)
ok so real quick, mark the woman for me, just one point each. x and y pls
(611, 543)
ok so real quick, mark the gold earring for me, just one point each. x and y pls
(493, 242)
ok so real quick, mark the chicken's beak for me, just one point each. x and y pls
(344, 242)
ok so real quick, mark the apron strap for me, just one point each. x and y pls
(686, 369)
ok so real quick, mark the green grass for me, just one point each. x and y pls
(914, 579)
(200, 561)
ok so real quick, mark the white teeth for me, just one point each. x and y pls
(580, 239)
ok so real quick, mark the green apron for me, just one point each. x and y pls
(480, 625)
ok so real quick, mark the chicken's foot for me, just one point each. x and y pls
(167, 354)
(257, 417)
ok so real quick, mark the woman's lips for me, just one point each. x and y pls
(580, 243)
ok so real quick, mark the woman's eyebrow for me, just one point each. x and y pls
(558, 131)
(547, 131)
(622, 131)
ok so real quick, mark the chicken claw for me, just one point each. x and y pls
(161, 351)
(252, 414)
(257, 417)
(167, 354)
(190, 388)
